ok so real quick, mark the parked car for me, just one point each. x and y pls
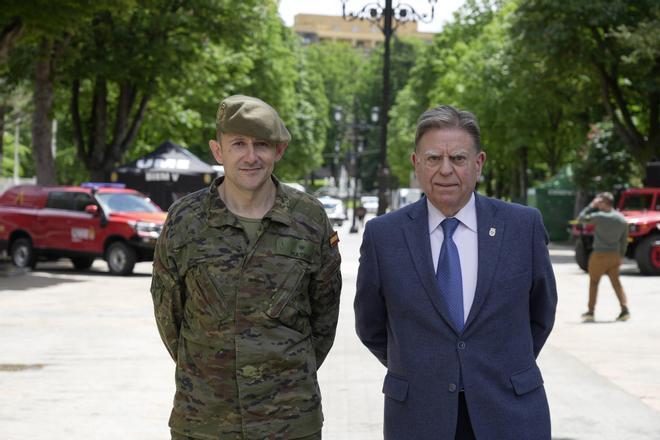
(335, 209)
(295, 185)
(641, 208)
(370, 203)
(81, 223)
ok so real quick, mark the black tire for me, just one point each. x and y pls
(647, 255)
(22, 253)
(82, 263)
(582, 255)
(121, 258)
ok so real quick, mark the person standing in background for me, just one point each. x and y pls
(609, 248)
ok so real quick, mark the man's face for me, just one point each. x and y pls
(248, 162)
(448, 166)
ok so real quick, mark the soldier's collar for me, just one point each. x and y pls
(219, 215)
(280, 212)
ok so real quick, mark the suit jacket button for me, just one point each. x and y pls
(452, 387)
(461, 345)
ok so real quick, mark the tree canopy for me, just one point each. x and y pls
(542, 76)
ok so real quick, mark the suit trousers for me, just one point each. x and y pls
(601, 263)
(463, 424)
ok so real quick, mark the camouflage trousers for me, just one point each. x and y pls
(316, 436)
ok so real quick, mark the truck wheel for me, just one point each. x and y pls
(582, 256)
(82, 263)
(22, 253)
(647, 255)
(121, 258)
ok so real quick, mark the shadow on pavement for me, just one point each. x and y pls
(562, 259)
(59, 270)
(31, 281)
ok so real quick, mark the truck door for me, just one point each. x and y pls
(53, 221)
(84, 228)
(68, 226)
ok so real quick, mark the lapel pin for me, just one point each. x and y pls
(492, 232)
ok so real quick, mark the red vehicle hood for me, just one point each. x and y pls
(152, 217)
(641, 216)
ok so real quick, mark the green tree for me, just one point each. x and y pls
(268, 62)
(337, 64)
(41, 31)
(405, 54)
(616, 41)
(126, 58)
(532, 118)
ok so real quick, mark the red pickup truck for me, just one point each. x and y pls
(81, 223)
(641, 208)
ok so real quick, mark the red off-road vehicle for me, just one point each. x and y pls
(641, 208)
(81, 223)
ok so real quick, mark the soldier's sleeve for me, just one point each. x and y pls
(167, 293)
(324, 292)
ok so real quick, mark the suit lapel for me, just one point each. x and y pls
(416, 232)
(490, 231)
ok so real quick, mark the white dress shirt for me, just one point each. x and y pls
(465, 238)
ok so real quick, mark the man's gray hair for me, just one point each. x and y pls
(446, 116)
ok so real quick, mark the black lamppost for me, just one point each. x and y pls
(400, 13)
(358, 128)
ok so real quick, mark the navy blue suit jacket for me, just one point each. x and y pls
(402, 318)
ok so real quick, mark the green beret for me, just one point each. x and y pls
(251, 117)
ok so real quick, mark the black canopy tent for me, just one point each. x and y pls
(165, 174)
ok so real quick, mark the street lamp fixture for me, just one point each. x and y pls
(383, 16)
(401, 12)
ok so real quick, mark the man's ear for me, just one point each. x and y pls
(216, 150)
(481, 159)
(279, 150)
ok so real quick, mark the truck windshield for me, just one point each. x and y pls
(117, 202)
(637, 202)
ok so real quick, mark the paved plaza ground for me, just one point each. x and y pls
(80, 359)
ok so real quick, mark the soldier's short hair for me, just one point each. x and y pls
(446, 116)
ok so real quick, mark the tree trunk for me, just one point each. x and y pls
(41, 119)
(581, 200)
(9, 35)
(98, 154)
(3, 110)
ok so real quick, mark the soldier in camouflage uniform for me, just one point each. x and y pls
(246, 287)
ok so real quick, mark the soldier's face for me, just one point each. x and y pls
(248, 162)
(448, 166)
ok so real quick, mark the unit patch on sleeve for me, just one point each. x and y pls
(334, 239)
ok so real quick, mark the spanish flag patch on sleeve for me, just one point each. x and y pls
(334, 239)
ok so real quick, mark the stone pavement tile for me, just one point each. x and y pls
(587, 406)
(106, 374)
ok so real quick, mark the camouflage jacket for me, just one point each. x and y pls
(248, 325)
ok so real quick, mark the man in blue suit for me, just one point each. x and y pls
(456, 297)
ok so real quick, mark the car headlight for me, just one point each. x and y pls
(146, 230)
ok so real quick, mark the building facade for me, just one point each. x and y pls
(359, 33)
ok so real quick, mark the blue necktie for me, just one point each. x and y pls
(448, 274)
